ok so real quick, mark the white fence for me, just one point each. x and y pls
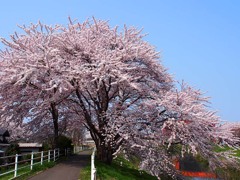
(93, 169)
(13, 164)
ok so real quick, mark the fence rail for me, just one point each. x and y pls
(14, 163)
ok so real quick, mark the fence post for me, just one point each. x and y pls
(54, 154)
(49, 155)
(31, 167)
(16, 165)
(93, 169)
(41, 157)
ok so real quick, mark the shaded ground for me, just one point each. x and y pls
(66, 170)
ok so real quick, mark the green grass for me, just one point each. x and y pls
(222, 148)
(118, 172)
(85, 173)
(229, 172)
(36, 169)
(24, 173)
(235, 152)
(120, 169)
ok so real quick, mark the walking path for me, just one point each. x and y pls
(66, 170)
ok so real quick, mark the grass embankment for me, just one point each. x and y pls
(25, 172)
(229, 172)
(127, 170)
(234, 152)
(36, 169)
(120, 169)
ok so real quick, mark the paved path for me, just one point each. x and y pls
(66, 170)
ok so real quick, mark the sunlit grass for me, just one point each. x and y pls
(24, 173)
(120, 169)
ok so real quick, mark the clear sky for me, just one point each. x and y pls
(199, 39)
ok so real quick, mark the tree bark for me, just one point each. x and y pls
(104, 150)
(105, 154)
(54, 112)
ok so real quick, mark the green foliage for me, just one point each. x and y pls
(12, 150)
(46, 146)
(203, 163)
(64, 142)
(174, 149)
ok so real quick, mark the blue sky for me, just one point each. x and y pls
(199, 40)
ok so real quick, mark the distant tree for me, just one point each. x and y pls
(77, 134)
(12, 150)
(64, 142)
(112, 83)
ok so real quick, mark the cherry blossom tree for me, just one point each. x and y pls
(112, 74)
(31, 89)
(110, 81)
(179, 117)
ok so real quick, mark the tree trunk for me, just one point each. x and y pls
(105, 154)
(56, 135)
(54, 112)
